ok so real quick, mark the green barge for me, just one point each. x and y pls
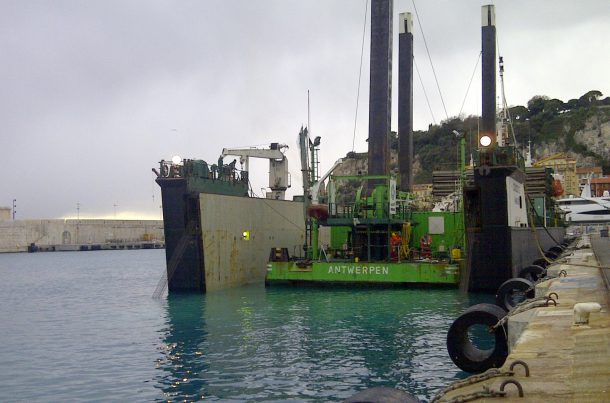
(379, 239)
(382, 273)
(377, 235)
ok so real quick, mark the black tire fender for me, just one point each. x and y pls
(532, 273)
(541, 262)
(513, 291)
(551, 255)
(464, 353)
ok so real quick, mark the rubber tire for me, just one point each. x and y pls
(557, 249)
(551, 255)
(505, 295)
(532, 273)
(466, 355)
(541, 262)
(381, 394)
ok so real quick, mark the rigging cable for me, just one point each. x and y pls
(366, 7)
(424, 88)
(470, 83)
(430, 58)
(264, 200)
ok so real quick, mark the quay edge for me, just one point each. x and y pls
(567, 362)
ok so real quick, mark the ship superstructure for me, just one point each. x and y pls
(214, 230)
(500, 229)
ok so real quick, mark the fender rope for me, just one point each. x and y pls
(525, 306)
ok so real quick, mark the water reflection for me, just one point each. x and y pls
(182, 359)
(257, 344)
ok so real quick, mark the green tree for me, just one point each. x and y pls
(589, 98)
(554, 106)
(519, 112)
(572, 104)
(536, 104)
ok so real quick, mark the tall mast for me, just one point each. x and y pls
(380, 93)
(488, 65)
(405, 101)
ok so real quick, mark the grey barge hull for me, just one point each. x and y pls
(215, 235)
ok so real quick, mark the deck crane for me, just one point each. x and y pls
(309, 171)
(279, 179)
(314, 208)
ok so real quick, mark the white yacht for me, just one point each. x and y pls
(586, 209)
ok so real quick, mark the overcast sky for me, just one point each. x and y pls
(94, 93)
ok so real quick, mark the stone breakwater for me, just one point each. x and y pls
(70, 234)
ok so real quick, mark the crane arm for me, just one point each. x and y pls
(275, 154)
(315, 189)
(552, 157)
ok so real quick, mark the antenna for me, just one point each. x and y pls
(503, 137)
(507, 121)
(308, 116)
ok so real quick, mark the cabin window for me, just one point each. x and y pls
(596, 212)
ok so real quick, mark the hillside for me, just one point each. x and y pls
(579, 127)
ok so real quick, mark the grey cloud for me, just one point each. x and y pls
(92, 90)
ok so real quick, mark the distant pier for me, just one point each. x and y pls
(80, 235)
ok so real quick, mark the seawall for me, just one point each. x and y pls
(16, 236)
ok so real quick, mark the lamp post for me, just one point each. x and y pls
(14, 207)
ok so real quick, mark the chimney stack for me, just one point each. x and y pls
(380, 93)
(488, 66)
(405, 101)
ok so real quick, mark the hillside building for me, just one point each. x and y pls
(566, 167)
(5, 213)
(584, 173)
(599, 185)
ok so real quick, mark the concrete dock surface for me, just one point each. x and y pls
(567, 362)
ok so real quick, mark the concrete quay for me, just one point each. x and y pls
(567, 362)
(79, 234)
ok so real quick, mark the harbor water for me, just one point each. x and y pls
(84, 326)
